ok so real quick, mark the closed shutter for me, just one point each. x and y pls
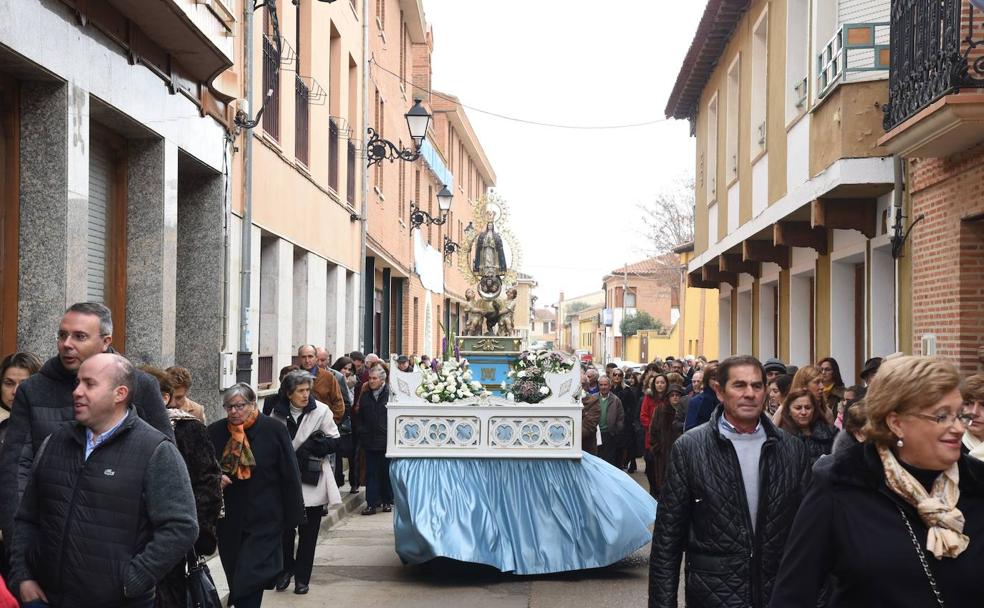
(97, 242)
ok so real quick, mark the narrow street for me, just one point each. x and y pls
(356, 565)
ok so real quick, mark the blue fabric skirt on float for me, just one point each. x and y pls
(526, 516)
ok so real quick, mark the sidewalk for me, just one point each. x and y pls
(351, 503)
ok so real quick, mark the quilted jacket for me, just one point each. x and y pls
(703, 512)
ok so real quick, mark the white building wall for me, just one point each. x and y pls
(724, 323)
(882, 305)
(744, 346)
(317, 268)
(760, 185)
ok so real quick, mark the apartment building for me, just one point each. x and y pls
(413, 290)
(304, 194)
(936, 124)
(696, 332)
(651, 286)
(792, 187)
(113, 159)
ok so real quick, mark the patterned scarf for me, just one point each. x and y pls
(237, 458)
(937, 509)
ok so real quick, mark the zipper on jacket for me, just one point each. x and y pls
(68, 519)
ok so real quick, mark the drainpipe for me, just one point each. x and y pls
(246, 257)
(898, 200)
(365, 179)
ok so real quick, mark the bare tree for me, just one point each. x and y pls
(667, 221)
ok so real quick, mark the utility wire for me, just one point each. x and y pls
(373, 62)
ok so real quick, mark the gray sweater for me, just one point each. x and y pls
(748, 447)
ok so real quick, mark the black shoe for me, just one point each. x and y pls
(387, 508)
(300, 589)
(369, 511)
(283, 581)
(354, 490)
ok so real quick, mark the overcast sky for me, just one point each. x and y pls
(572, 193)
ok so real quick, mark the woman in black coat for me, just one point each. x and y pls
(196, 449)
(262, 489)
(800, 417)
(859, 523)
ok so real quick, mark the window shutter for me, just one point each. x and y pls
(97, 241)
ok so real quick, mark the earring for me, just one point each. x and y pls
(899, 443)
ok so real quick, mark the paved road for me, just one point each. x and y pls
(355, 565)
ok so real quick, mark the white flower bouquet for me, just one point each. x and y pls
(453, 382)
(525, 382)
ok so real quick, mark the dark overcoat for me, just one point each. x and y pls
(850, 526)
(258, 509)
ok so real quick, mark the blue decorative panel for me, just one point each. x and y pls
(491, 370)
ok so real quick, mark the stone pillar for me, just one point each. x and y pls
(352, 338)
(276, 305)
(336, 325)
(198, 290)
(54, 206)
(299, 300)
(151, 251)
(317, 268)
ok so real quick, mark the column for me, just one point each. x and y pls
(299, 300)
(317, 277)
(276, 306)
(352, 338)
(198, 293)
(336, 326)
(54, 193)
(151, 251)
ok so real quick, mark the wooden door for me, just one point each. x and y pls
(9, 213)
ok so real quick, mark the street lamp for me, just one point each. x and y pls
(450, 247)
(419, 217)
(379, 149)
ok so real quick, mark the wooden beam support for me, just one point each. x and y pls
(733, 262)
(696, 280)
(765, 251)
(711, 273)
(859, 214)
(800, 234)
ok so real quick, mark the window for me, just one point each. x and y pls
(797, 57)
(402, 189)
(378, 172)
(712, 149)
(760, 82)
(416, 322)
(271, 79)
(734, 88)
(403, 51)
(301, 96)
(381, 15)
(430, 211)
(630, 298)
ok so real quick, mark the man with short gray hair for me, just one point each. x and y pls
(44, 401)
(371, 423)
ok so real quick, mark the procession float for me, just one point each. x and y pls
(487, 465)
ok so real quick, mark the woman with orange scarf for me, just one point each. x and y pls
(262, 491)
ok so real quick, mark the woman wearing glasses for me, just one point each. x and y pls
(899, 519)
(262, 490)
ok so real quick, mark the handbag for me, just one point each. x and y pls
(310, 469)
(922, 559)
(201, 592)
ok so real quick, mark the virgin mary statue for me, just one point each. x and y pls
(490, 257)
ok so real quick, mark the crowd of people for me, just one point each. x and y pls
(784, 487)
(777, 486)
(143, 471)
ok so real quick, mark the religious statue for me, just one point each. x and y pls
(476, 314)
(490, 256)
(504, 320)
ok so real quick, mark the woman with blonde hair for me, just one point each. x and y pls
(899, 519)
(807, 378)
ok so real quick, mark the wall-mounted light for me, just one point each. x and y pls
(379, 149)
(419, 217)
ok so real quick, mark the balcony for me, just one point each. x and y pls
(301, 119)
(857, 51)
(936, 82)
(333, 159)
(271, 87)
(350, 174)
(197, 33)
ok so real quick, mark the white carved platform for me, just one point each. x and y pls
(491, 427)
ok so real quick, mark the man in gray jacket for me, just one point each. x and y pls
(108, 508)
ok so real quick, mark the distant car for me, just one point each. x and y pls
(585, 357)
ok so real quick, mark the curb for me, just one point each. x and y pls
(336, 514)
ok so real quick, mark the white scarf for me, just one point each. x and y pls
(975, 445)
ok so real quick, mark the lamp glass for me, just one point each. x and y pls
(418, 119)
(444, 198)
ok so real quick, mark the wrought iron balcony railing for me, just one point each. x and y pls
(301, 116)
(937, 49)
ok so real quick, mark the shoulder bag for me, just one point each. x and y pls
(922, 560)
(201, 592)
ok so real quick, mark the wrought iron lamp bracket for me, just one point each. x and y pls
(419, 217)
(450, 248)
(379, 149)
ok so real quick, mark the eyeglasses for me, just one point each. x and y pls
(236, 406)
(617, 375)
(947, 419)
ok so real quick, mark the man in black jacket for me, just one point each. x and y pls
(371, 422)
(108, 508)
(44, 401)
(732, 489)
